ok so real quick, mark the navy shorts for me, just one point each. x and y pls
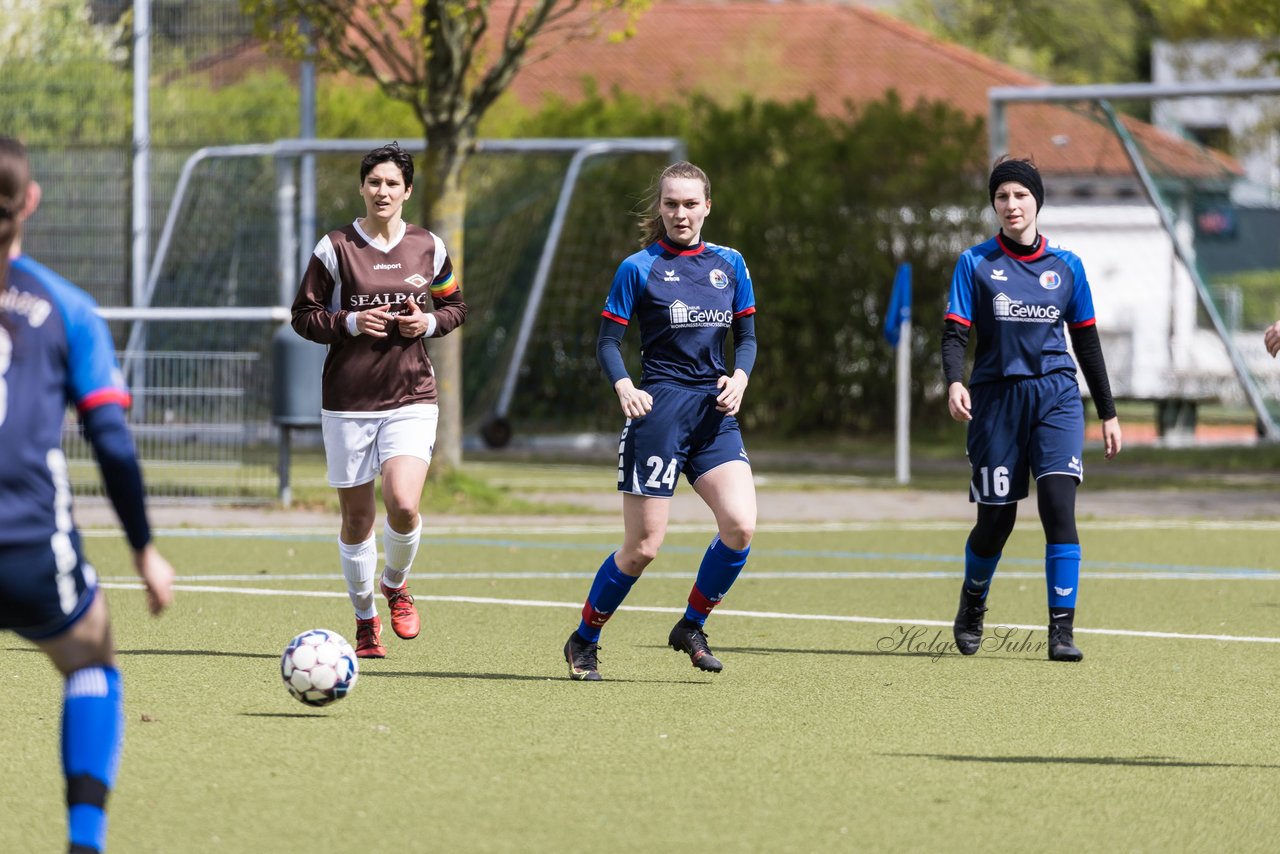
(683, 432)
(1033, 425)
(44, 589)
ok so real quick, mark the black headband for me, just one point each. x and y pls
(1020, 171)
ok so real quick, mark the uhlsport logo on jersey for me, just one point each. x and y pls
(719, 279)
(689, 316)
(395, 266)
(1020, 312)
(1049, 280)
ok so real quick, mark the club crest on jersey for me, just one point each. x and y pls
(416, 280)
(1049, 280)
(719, 279)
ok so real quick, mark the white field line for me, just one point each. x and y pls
(615, 527)
(728, 612)
(838, 575)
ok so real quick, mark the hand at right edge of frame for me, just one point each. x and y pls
(636, 402)
(958, 403)
(1272, 338)
(157, 577)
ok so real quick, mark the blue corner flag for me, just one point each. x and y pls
(899, 311)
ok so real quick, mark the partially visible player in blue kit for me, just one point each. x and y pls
(1026, 415)
(55, 351)
(685, 295)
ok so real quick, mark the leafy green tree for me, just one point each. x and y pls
(1088, 41)
(439, 57)
(824, 209)
(54, 63)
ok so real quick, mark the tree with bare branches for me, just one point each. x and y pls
(449, 60)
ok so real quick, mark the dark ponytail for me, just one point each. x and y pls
(15, 175)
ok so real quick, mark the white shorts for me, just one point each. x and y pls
(356, 448)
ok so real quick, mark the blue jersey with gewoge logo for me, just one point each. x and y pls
(685, 299)
(1018, 307)
(55, 351)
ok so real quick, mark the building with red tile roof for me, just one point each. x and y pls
(840, 54)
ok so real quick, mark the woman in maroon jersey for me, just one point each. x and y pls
(365, 295)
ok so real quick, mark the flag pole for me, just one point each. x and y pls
(902, 440)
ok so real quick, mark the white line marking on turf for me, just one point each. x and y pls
(727, 612)
(611, 527)
(838, 575)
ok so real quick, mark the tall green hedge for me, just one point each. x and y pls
(823, 209)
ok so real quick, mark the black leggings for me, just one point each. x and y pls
(1056, 498)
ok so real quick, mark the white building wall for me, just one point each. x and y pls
(1146, 304)
(1247, 119)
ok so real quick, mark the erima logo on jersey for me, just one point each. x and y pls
(416, 280)
(719, 279)
(1074, 464)
(387, 266)
(684, 316)
(999, 276)
(670, 276)
(1020, 312)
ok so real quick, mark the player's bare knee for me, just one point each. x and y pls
(737, 537)
(403, 518)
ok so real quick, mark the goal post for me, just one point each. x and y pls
(228, 259)
(1260, 392)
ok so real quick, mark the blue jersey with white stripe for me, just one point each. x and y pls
(1018, 306)
(55, 351)
(685, 299)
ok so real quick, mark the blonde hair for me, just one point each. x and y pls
(651, 227)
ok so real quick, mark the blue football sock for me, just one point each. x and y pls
(1062, 574)
(719, 569)
(92, 732)
(610, 587)
(978, 572)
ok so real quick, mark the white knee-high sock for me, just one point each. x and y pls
(358, 564)
(399, 549)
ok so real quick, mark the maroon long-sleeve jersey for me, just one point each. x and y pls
(364, 375)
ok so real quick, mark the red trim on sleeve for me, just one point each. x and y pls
(1093, 321)
(614, 317)
(104, 396)
(963, 321)
(744, 312)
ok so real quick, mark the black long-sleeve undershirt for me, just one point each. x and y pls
(1084, 340)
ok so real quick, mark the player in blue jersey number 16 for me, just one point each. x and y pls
(55, 352)
(685, 295)
(1015, 293)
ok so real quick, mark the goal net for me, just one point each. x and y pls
(1178, 238)
(198, 356)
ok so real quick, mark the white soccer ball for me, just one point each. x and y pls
(319, 667)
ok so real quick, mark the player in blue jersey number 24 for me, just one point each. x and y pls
(55, 351)
(685, 295)
(1015, 292)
